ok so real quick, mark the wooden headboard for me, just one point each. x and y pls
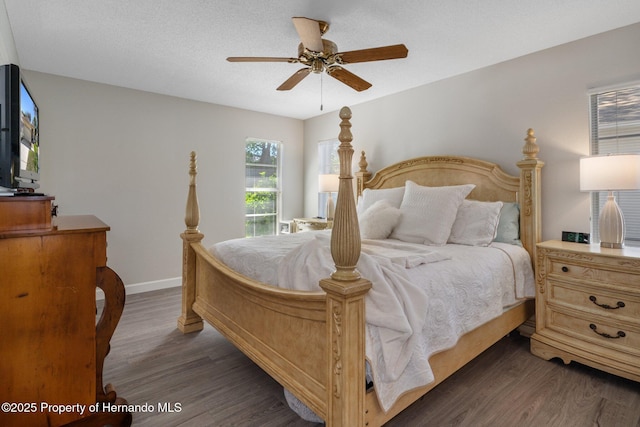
(492, 182)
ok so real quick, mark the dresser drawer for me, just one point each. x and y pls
(619, 337)
(595, 300)
(603, 273)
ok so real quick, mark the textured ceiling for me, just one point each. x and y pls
(179, 47)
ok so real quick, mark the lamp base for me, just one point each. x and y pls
(611, 224)
(330, 208)
(611, 245)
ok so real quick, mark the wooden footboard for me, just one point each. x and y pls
(296, 337)
(282, 331)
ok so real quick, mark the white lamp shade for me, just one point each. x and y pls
(328, 183)
(610, 173)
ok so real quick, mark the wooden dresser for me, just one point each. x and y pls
(588, 306)
(51, 351)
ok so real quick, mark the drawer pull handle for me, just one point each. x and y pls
(605, 335)
(565, 269)
(594, 300)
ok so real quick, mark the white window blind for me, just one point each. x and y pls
(328, 162)
(262, 182)
(615, 129)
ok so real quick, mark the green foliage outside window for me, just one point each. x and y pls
(261, 196)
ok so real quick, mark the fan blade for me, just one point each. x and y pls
(295, 79)
(309, 32)
(348, 78)
(374, 54)
(261, 59)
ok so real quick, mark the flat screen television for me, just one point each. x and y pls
(19, 133)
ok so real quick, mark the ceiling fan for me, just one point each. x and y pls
(318, 55)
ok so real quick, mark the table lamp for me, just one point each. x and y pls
(328, 183)
(615, 172)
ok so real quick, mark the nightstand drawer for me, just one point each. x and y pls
(595, 300)
(593, 272)
(620, 337)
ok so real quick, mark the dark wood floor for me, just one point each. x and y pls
(202, 380)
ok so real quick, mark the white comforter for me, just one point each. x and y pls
(422, 300)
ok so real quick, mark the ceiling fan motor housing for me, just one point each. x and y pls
(318, 60)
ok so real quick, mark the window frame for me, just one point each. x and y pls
(275, 190)
(616, 141)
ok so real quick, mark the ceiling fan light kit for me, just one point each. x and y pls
(320, 55)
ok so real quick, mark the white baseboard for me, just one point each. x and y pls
(138, 288)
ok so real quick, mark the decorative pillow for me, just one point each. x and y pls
(476, 223)
(509, 225)
(378, 221)
(369, 197)
(428, 213)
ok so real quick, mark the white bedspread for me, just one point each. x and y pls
(422, 300)
(394, 305)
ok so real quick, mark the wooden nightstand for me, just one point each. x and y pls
(588, 306)
(308, 224)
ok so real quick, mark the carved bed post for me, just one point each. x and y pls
(345, 301)
(363, 175)
(529, 196)
(189, 321)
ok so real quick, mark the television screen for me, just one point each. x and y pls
(29, 142)
(19, 133)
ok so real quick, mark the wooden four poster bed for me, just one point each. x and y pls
(313, 343)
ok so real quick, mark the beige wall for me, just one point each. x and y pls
(485, 114)
(8, 54)
(123, 155)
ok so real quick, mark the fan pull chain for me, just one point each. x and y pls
(321, 80)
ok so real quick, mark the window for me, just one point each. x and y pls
(328, 162)
(615, 129)
(262, 182)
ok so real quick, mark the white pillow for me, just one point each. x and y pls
(476, 223)
(378, 221)
(428, 213)
(369, 197)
